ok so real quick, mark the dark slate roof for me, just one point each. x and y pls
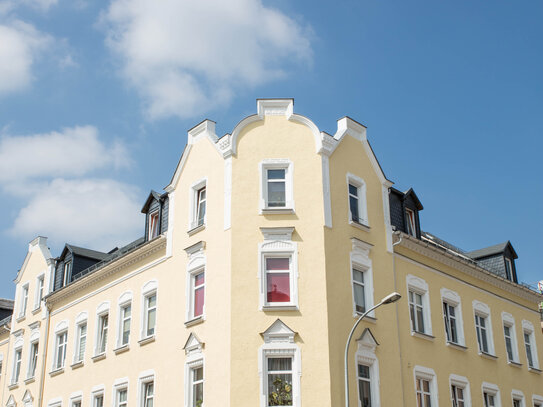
(443, 243)
(5, 321)
(404, 195)
(152, 195)
(108, 257)
(492, 250)
(91, 254)
(6, 304)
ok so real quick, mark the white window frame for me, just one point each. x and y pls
(68, 266)
(120, 385)
(537, 399)
(517, 395)
(193, 204)
(360, 260)
(25, 289)
(195, 265)
(365, 355)
(278, 243)
(16, 366)
(149, 289)
(276, 164)
(75, 400)
(425, 373)
(194, 361)
(420, 286)
(509, 262)
(153, 229)
(99, 338)
(453, 299)
(462, 382)
(40, 282)
(411, 221)
(96, 394)
(33, 362)
(125, 300)
(509, 321)
(144, 379)
(279, 344)
(493, 390)
(80, 320)
(528, 328)
(482, 310)
(58, 335)
(360, 185)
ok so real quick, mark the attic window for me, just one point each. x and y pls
(67, 272)
(153, 225)
(509, 268)
(410, 220)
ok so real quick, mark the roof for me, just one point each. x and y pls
(405, 194)
(6, 304)
(5, 321)
(492, 250)
(152, 195)
(81, 251)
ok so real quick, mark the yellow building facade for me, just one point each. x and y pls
(266, 246)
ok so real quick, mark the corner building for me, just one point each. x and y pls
(255, 262)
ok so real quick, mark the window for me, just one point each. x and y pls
(452, 317)
(416, 311)
(491, 395)
(508, 269)
(508, 343)
(197, 293)
(356, 190)
(103, 321)
(33, 360)
(528, 345)
(76, 403)
(537, 400)
(121, 398)
(126, 317)
(60, 350)
(276, 189)
(489, 399)
(425, 387)
(364, 386)
(81, 342)
(359, 291)
(148, 394)
(16, 365)
(98, 400)
(419, 305)
(410, 222)
(279, 379)
(153, 225)
(150, 314)
(67, 272)
(39, 291)
(510, 337)
(517, 403)
(424, 395)
(460, 394)
(277, 279)
(483, 328)
(518, 398)
(24, 300)
(197, 386)
(200, 206)
(449, 316)
(457, 396)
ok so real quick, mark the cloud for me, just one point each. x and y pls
(53, 175)
(20, 45)
(186, 57)
(43, 5)
(72, 152)
(99, 213)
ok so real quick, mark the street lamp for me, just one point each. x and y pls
(389, 299)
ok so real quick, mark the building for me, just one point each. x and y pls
(265, 247)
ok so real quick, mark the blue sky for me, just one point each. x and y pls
(96, 98)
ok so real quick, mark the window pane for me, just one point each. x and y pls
(359, 298)
(279, 364)
(278, 287)
(364, 393)
(199, 279)
(198, 301)
(276, 263)
(353, 205)
(151, 321)
(358, 276)
(363, 371)
(198, 374)
(198, 395)
(353, 190)
(276, 194)
(420, 320)
(151, 301)
(276, 174)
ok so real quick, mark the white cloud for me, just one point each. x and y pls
(43, 5)
(20, 45)
(74, 151)
(98, 213)
(185, 57)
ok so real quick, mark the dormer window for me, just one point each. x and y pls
(508, 268)
(410, 220)
(153, 225)
(67, 272)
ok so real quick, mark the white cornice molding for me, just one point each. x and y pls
(38, 243)
(195, 248)
(461, 264)
(113, 267)
(275, 107)
(281, 233)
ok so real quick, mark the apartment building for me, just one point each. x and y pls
(262, 251)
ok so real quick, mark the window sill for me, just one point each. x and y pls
(360, 226)
(77, 365)
(195, 321)
(13, 386)
(513, 363)
(30, 380)
(422, 335)
(147, 340)
(455, 345)
(280, 308)
(21, 318)
(277, 211)
(121, 349)
(56, 372)
(487, 355)
(534, 370)
(196, 229)
(367, 318)
(99, 357)
(36, 310)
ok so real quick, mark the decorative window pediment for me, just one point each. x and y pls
(11, 402)
(27, 398)
(193, 344)
(367, 341)
(278, 332)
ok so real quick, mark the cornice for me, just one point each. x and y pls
(113, 267)
(461, 264)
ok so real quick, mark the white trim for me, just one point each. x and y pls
(518, 395)
(78, 324)
(62, 326)
(101, 311)
(38, 243)
(37, 300)
(528, 327)
(327, 200)
(227, 192)
(365, 355)
(452, 298)
(360, 260)
(169, 233)
(193, 361)
(509, 321)
(537, 399)
(196, 264)
(420, 286)
(483, 310)
(82, 316)
(56, 402)
(144, 378)
(148, 290)
(362, 208)
(385, 192)
(493, 390)
(194, 188)
(278, 164)
(421, 372)
(463, 382)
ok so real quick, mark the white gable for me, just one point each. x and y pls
(278, 332)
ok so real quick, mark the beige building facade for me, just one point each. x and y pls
(266, 246)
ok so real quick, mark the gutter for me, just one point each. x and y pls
(44, 356)
(398, 318)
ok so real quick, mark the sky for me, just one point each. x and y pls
(96, 98)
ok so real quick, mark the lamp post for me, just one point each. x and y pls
(389, 299)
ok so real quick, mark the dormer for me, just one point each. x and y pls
(498, 259)
(404, 211)
(156, 215)
(73, 262)
(6, 308)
